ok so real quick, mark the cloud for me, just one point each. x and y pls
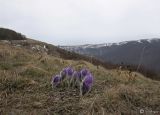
(82, 21)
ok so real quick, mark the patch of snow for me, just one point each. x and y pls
(122, 43)
(139, 41)
(109, 44)
(149, 40)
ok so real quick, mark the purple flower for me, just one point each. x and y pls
(83, 73)
(87, 83)
(56, 80)
(69, 71)
(76, 74)
(88, 80)
(64, 71)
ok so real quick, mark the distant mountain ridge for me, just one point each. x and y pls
(69, 47)
(145, 52)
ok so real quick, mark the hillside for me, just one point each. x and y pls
(26, 69)
(49, 49)
(58, 52)
(7, 34)
(143, 53)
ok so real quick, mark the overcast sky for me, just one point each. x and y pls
(72, 22)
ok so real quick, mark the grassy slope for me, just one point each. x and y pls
(25, 87)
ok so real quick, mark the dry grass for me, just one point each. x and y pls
(25, 87)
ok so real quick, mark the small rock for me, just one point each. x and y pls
(32, 82)
(57, 99)
(37, 104)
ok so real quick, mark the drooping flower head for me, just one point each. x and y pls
(56, 80)
(88, 80)
(83, 73)
(69, 71)
(76, 74)
(87, 83)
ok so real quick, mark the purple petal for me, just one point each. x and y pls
(63, 72)
(88, 79)
(84, 72)
(75, 74)
(56, 80)
(69, 71)
(87, 84)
